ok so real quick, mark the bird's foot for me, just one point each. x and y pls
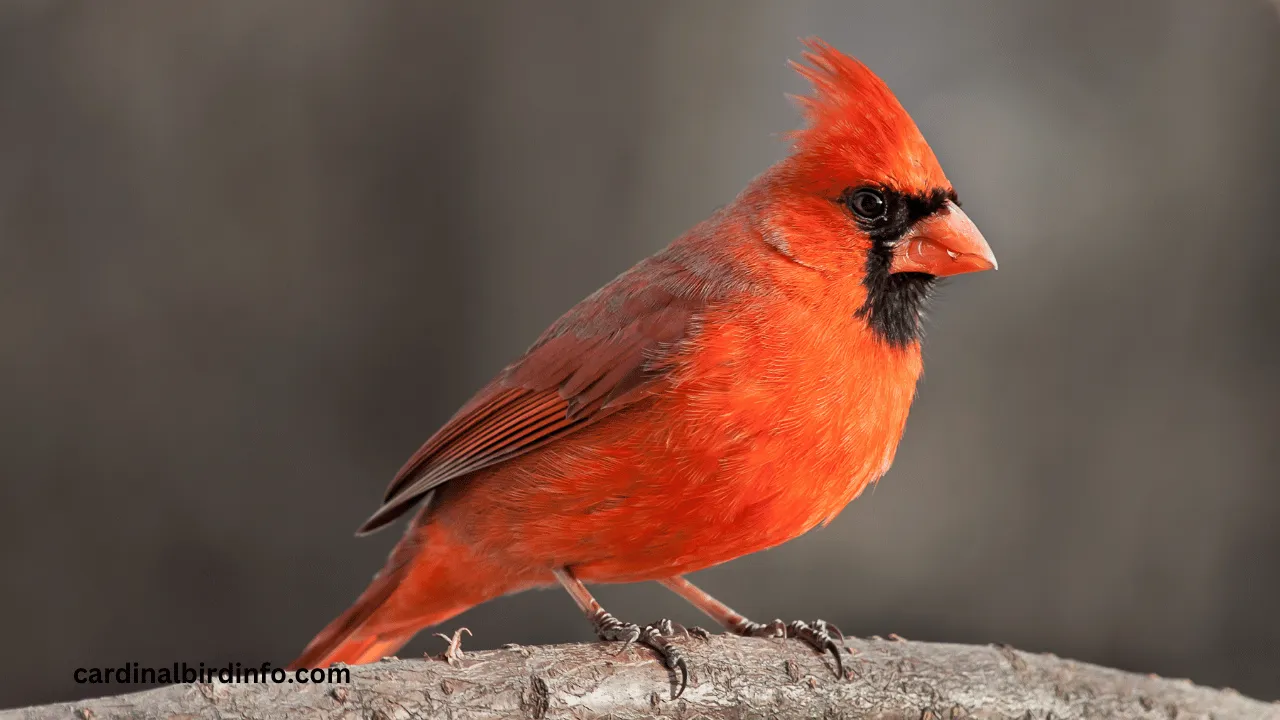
(668, 628)
(819, 635)
(656, 636)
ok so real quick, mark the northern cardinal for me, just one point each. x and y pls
(723, 396)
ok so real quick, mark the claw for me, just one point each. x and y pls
(653, 636)
(684, 678)
(821, 636)
(818, 636)
(631, 638)
(835, 653)
(667, 628)
(777, 628)
(830, 628)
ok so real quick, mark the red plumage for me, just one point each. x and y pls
(721, 397)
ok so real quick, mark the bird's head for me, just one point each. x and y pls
(862, 192)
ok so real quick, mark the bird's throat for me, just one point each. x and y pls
(894, 301)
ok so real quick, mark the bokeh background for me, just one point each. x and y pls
(253, 252)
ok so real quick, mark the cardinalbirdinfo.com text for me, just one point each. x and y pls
(133, 673)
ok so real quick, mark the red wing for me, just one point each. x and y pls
(601, 356)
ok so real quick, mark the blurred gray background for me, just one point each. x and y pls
(252, 253)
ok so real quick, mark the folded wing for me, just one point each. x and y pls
(603, 355)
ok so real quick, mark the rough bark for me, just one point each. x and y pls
(731, 678)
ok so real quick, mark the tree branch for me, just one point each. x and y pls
(731, 678)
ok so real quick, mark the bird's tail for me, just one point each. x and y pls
(353, 637)
(417, 589)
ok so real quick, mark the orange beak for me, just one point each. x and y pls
(945, 243)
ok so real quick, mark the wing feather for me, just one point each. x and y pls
(600, 357)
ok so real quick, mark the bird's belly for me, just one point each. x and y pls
(679, 495)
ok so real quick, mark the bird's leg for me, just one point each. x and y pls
(819, 634)
(655, 636)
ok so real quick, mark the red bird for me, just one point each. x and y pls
(723, 396)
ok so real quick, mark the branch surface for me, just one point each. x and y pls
(731, 678)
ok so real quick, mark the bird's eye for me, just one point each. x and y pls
(868, 203)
